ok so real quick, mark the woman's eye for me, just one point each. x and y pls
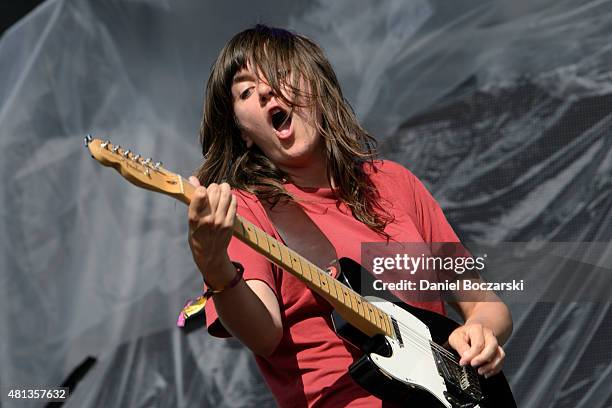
(246, 93)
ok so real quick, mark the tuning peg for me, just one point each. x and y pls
(135, 158)
(126, 153)
(115, 149)
(104, 144)
(146, 162)
(157, 165)
(87, 140)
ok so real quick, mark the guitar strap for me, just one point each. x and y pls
(302, 235)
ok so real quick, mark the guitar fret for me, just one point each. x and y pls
(307, 269)
(383, 322)
(285, 257)
(360, 310)
(339, 287)
(347, 297)
(388, 325)
(324, 282)
(332, 286)
(372, 314)
(366, 313)
(379, 322)
(262, 240)
(295, 263)
(274, 248)
(316, 278)
(250, 233)
(354, 304)
(312, 269)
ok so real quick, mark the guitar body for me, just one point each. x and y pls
(405, 370)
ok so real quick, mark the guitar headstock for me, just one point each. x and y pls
(136, 169)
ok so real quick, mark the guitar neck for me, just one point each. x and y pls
(350, 305)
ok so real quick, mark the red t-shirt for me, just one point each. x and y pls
(309, 367)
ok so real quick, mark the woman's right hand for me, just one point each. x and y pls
(250, 310)
(211, 214)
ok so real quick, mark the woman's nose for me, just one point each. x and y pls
(264, 90)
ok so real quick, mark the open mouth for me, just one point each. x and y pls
(281, 119)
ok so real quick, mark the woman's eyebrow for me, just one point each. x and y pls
(243, 77)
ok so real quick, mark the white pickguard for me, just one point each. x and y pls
(412, 364)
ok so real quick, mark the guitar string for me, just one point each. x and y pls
(429, 343)
(416, 340)
(422, 343)
(419, 342)
(425, 342)
(421, 347)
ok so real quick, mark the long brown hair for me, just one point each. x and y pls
(276, 53)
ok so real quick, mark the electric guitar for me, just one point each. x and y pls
(403, 358)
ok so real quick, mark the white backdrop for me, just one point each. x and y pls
(502, 108)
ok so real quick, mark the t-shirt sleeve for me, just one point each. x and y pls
(427, 214)
(255, 265)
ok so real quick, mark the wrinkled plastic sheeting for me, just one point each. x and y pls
(502, 108)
